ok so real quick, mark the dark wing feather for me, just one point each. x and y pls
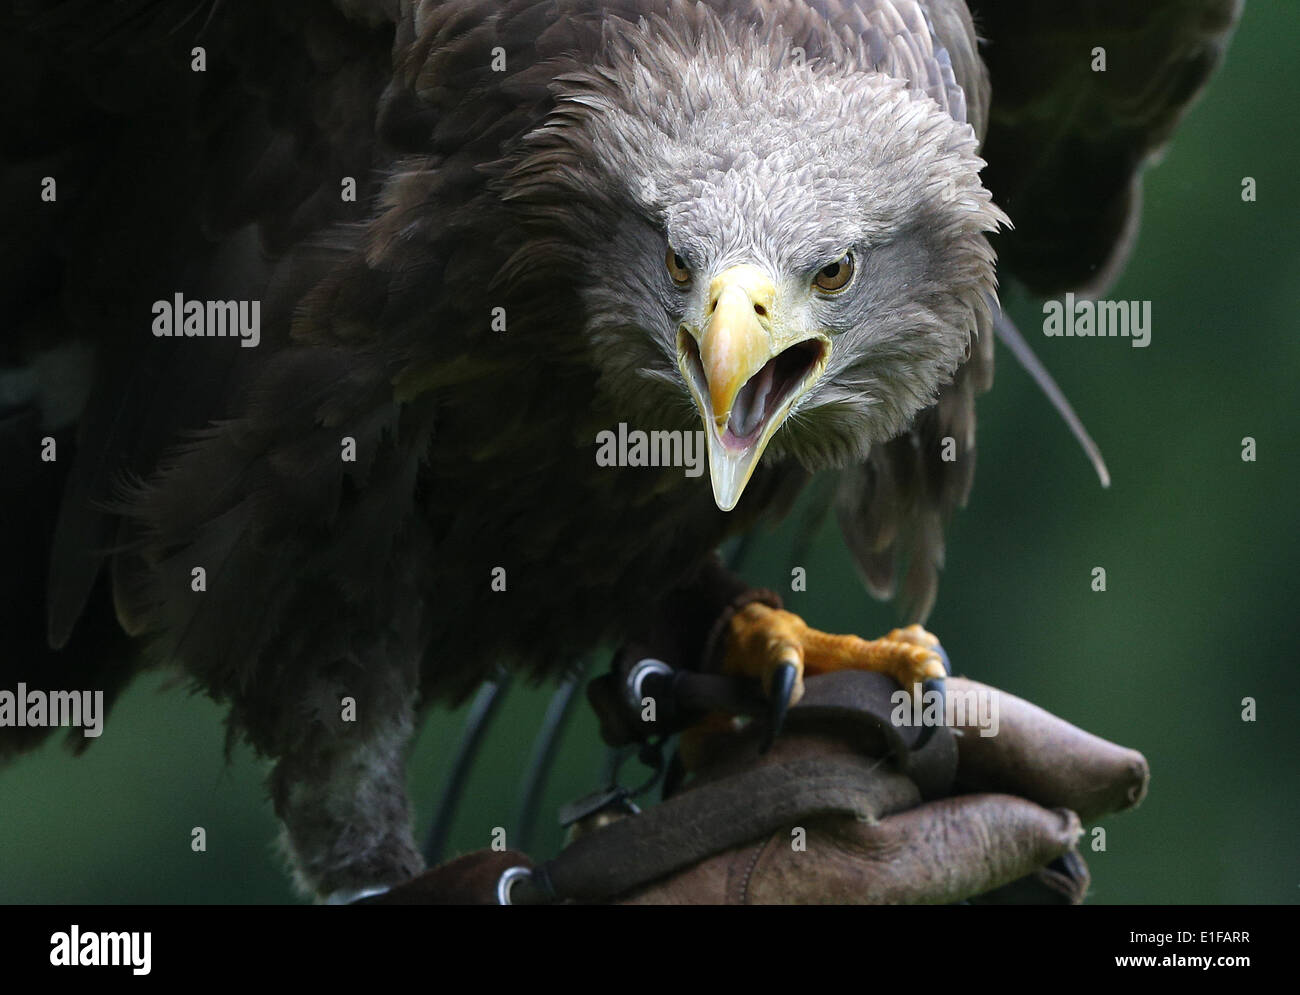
(893, 508)
(1067, 146)
(169, 180)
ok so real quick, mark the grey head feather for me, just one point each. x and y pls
(716, 141)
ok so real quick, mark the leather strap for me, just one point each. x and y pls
(717, 816)
(727, 811)
(860, 707)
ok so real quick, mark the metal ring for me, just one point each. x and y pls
(637, 675)
(507, 881)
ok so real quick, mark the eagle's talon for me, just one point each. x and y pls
(908, 662)
(778, 649)
(769, 644)
(940, 686)
(943, 658)
(780, 695)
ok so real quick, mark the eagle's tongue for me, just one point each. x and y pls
(751, 403)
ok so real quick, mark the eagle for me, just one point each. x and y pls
(316, 311)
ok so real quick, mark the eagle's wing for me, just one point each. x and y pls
(170, 174)
(226, 184)
(1066, 147)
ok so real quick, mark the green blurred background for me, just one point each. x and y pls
(1199, 549)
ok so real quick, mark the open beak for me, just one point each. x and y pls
(746, 371)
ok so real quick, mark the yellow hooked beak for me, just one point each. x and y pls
(746, 371)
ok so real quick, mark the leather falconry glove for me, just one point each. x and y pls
(850, 805)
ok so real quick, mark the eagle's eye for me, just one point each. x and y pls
(677, 269)
(836, 276)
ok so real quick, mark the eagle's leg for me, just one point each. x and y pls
(780, 649)
(341, 796)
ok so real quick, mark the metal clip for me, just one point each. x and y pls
(506, 882)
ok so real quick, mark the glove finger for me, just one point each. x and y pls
(941, 852)
(1036, 755)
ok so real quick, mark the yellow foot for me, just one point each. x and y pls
(778, 648)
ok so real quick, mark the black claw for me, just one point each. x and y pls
(778, 703)
(934, 684)
(943, 655)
